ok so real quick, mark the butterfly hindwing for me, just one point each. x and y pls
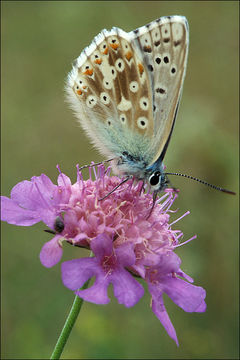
(109, 89)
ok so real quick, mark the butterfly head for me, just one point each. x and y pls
(157, 180)
(153, 175)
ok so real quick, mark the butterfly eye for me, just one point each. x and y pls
(155, 178)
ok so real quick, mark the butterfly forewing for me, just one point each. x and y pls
(164, 45)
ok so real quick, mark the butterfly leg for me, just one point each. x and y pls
(155, 193)
(95, 164)
(116, 187)
(142, 187)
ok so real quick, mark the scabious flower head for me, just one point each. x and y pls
(126, 242)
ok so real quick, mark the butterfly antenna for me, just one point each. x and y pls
(116, 187)
(203, 182)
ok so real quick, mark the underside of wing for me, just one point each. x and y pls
(109, 90)
(164, 45)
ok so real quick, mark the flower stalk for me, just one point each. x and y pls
(69, 323)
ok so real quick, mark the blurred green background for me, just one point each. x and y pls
(39, 42)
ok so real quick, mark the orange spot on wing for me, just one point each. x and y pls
(147, 49)
(98, 61)
(105, 51)
(129, 55)
(79, 92)
(114, 46)
(88, 72)
(84, 87)
(140, 68)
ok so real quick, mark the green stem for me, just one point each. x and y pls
(67, 328)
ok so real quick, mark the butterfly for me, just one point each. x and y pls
(125, 89)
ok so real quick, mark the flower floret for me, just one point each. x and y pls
(108, 267)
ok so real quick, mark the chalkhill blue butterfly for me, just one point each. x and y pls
(125, 89)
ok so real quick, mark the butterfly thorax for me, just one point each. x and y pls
(136, 167)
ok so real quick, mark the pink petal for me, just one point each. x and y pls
(44, 185)
(126, 289)
(97, 293)
(26, 195)
(125, 254)
(51, 252)
(168, 262)
(185, 276)
(13, 214)
(64, 180)
(189, 297)
(202, 307)
(101, 245)
(76, 272)
(160, 311)
(48, 216)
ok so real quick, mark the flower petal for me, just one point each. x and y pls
(97, 293)
(26, 195)
(185, 276)
(14, 214)
(202, 307)
(51, 252)
(160, 311)
(44, 185)
(48, 216)
(168, 262)
(125, 254)
(64, 180)
(76, 272)
(101, 245)
(189, 297)
(126, 289)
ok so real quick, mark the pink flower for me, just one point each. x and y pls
(126, 241)
(164, 278)
(108, 266)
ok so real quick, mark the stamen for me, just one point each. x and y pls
(94, 170)
(166, 202)
(101, 171)
(185, 242)
(162, 198)
(171, 202)
(78, 176)
(179, 235)
(58, 167)
(108, 171)
(186, 213)
(90, 173)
